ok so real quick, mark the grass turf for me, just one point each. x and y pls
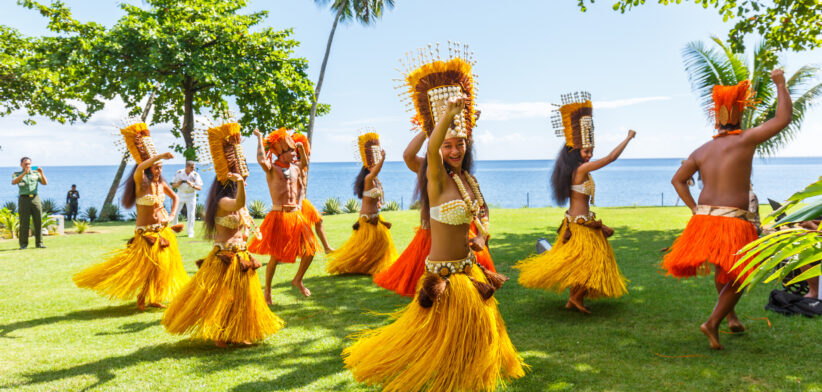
(54, 336)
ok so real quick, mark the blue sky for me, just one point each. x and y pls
(528, 53)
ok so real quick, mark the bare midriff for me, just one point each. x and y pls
(228, 234)
(449, 242)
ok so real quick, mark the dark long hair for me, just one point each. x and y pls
(568, 160)
(130, 188)
(359, 182)
(421, 191)
(215, 193)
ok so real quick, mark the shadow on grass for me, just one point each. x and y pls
(90, 314)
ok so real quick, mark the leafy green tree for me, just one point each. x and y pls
(196, 55)
(364, 11)
(786, 24)
(707, 66)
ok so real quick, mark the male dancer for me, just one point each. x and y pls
(286, 233)
(721, 223)
(308, 209)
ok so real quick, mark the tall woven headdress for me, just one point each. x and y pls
(137, 140)
(222, 138)
(730, 102)
(429, 79)
(368, 145)
(573, 120)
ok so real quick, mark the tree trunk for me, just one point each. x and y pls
(112, 190)
(188, 122)
(322, 75)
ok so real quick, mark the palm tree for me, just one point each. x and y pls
(707, 67)
(364, 11)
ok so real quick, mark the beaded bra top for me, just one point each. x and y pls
(454, 212)
(586, 188)
(152, 199)
(373, 193)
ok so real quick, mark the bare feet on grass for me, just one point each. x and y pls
(735, 325)
(220, 344)
(329, 250)
(157, 305)
(574, 303)
(141, 304)
(267, 295)
(300, 286)
(713, 335)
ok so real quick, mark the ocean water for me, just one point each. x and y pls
(506, 184)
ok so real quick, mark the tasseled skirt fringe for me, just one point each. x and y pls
(150, 267)
(369, 250)
(460, 343)
(709, 239)
(585, 260)
(223, 302)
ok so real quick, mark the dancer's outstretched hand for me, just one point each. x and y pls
(631, 134)
(257, 132)
(778, 76)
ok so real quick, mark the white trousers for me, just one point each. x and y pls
(190, 201)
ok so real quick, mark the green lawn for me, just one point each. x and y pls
(54, 336)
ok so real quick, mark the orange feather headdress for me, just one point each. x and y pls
(429, 80)
(299, 137)
(730, 102)
(276, 142)
(137, 140)
(573, 120)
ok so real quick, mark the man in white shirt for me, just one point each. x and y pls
(188, 182)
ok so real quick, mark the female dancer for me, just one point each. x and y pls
(309, 211)
(150, 267)
(223, 302)
(370, 249)
(582, 258)
(452, 337)
(405, 272)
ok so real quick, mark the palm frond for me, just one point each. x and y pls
(705, 68)
(735, 61)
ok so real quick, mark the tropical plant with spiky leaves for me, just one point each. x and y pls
(791, 247)
(718, 64)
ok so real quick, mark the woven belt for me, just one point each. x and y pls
(286, 208)
(445, 268)
(153, 228)
(369, 217)
(580, 219)
(728, 212)
(230, 246)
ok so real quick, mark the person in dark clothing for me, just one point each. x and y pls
(72, 202)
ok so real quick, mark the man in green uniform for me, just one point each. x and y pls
(29, 203)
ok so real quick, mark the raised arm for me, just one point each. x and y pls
(303, 156)
(369, 178)
(680, 181)
(412, 160)
(588, 167)
(138, 173)
(436, 170)
(42, 176)
(237, 202)
(784, 113)
(264, 163)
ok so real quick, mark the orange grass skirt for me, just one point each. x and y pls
(709, 239)
(458, 344)
(285, 235)
(310, 212)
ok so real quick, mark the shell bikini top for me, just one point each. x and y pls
(454, 212)
(153, 198)
(234, 221)
(586, 188)
(373, 193)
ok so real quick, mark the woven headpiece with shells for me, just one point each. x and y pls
(429, 79)
(573, 120)
(136, 139)
(222, 138)
(368, 146)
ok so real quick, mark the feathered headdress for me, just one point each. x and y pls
(137, 140)
(223, 139)
(730, 102)
(430, 80)
(368, 145)
(573, 120)
(299, 137)
(276, 142)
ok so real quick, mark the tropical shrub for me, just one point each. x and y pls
(90, 214)
(391, 206)
(199, 211)
(132, 216)
(81, 226)
(352, 205)
(9, 222)
(111, 212)
(332, 206)
(48, 206)
(48, 222)
(11, 206)
(257, 209)
(415, 205)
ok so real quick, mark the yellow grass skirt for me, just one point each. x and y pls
(369, 250)
(150, 267)
(222, 303)
(460, 343)
(585, 260)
